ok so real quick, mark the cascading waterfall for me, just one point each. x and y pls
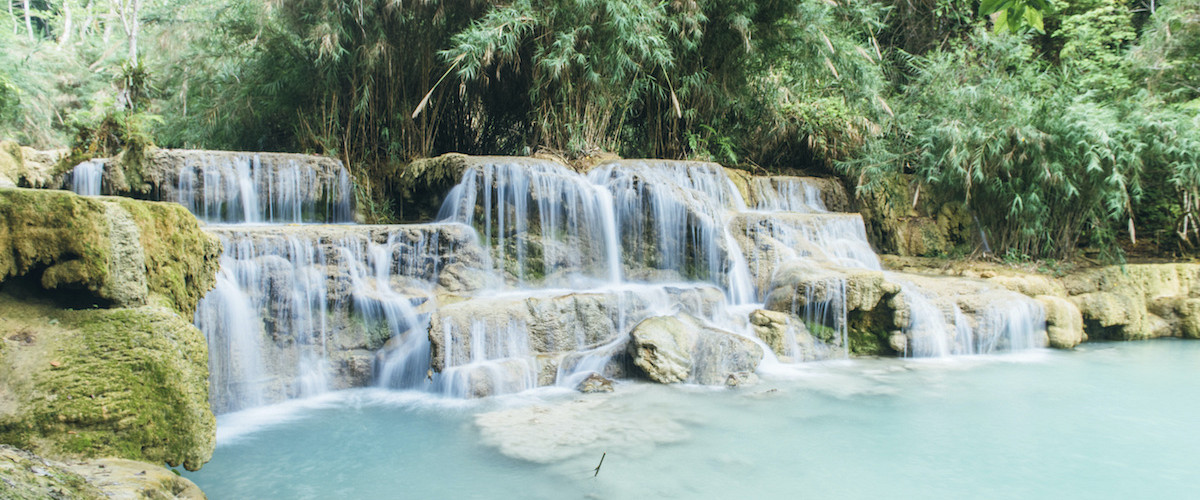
(536, 276)
(788, 194)
(86, 178)
(539, 218)
(262, 188)
(310, 292)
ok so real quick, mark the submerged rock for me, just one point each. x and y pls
(680, 348)
(583, 429)
(595, 383)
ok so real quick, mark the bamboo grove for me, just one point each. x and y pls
(1056, 124)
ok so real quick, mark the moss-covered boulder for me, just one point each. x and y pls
(98, 355)
(107, 251)
(129, 383)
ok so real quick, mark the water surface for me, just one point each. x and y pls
(1109, 420)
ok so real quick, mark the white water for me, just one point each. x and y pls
(86, 178)
(284, 295)
(549, 270)
(257, 189)
(1103, 421)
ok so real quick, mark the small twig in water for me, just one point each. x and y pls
(602, 455)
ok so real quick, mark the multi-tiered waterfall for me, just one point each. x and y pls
(536, 274)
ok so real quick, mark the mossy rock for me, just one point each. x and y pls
(65, 234)
(114, 251)
(129, 383)
(24, 476)
(181, 259)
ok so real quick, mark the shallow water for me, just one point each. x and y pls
(1109, 420)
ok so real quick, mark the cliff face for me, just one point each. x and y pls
(98, 356)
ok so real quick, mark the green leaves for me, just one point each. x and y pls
(1015, 15)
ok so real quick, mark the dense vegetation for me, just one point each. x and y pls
(1055, 124)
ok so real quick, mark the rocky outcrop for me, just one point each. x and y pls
(507, 326)
(99, 354)
(130, 382)
(1064, 322)
(888, 313)
(787, 336)
(27, 167)
(1135, 301)
(25, 476)
(1138, 301)
(768, 240)
(681, 348)
(106, 251)
(900, 220)
(872, 306)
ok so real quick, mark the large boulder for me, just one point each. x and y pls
(124, 373)
(106, 251)
(681, 348)
(129, 383)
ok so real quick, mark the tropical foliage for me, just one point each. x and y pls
(1056, 124)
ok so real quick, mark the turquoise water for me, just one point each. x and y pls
(1118, 420)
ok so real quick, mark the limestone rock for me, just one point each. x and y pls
(1064, 322)
(27, 167)
(786, 335)
(740, 379)
(670, 349)
(595, 383)
(29, 477)
(536, 324)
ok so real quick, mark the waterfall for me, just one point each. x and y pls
(540, 219)
(293, 304)
(788, 194)
(86, 178)
(534, 275)
(261, 188)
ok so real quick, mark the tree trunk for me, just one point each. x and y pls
(28, 21)
(135, 25)
(66, 32)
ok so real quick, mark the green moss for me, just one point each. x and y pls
(53, 228)
(130, 383)
(868, 331)
(181, 259)
(821, 332)
(66, 238)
